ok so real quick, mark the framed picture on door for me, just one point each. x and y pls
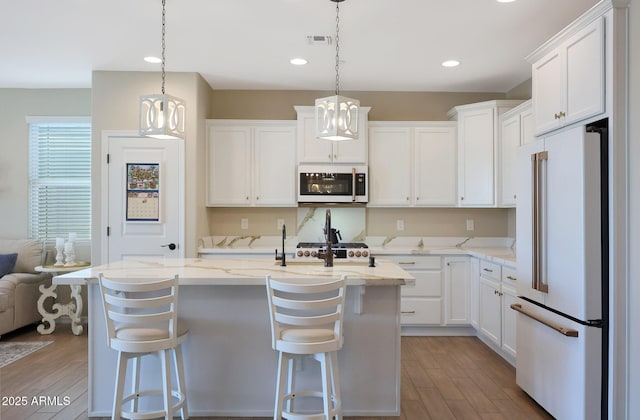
(143, 192)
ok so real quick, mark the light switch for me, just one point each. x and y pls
(399, 225)
(470, 225)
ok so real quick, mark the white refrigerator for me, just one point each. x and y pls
(561, 228)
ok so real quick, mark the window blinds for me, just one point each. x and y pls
(60, 180)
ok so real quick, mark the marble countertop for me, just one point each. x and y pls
(240, 271)
(499, 250)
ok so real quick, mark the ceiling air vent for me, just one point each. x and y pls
(319, 39)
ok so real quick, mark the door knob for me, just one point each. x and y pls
(171, 246)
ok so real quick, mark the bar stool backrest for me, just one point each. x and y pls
(141, 314)
(306, 317)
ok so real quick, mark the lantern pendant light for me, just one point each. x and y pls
(162, 116)
(337, 116)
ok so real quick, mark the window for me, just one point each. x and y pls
(59, 177)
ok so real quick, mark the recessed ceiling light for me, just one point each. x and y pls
(505, 1)
(298, 61)
(153, 60)
(450, 63)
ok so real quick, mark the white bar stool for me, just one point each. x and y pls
(141, 317)
(307, 319)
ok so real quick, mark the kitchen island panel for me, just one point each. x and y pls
(230, 366)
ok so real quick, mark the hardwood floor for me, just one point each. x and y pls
(442, 378)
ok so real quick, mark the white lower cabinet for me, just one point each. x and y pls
(497, 321)
(440, 296)
(457, 290)
(474, 291)
(422, 303)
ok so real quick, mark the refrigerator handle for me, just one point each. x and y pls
(562, 330)
(538, 177)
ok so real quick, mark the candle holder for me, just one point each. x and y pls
(70, 253)
(59, 256)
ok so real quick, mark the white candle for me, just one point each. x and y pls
(59, 242)
(72, 236)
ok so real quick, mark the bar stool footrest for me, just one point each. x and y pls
(146, 415)
(307, 416)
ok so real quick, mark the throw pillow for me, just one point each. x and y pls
(7, 263)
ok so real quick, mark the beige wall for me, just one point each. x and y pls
(16, 104)
(385, 106)
(115, 107)
(438, 222)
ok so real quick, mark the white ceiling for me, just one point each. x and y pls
(390, 45)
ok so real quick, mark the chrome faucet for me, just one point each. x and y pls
(327, 254)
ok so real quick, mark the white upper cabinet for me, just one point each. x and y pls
(389, 166)
(568, 83)
(435, 165)
(477, 150)
(515, 129)
(251, 163)
(313, 150)
(412, 164)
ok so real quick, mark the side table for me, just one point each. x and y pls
(72, 309)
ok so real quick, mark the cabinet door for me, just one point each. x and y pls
(311, 149)
(474, 295)
(435, 166)
(548, 90)
(510, 130)
(229, 166)
(490, 310)
(476, 158)
(457, 290)
(585, 73)
(527, 121)
(389, 166)
(508, 320)
(275, 166)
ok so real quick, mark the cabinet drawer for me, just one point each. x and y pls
(421, 311)
(416, 262)
(490, 270)
(509, 276)
(428, 283)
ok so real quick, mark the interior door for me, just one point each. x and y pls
(144, 199)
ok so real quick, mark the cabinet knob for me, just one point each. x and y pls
(488, 270)
(329, 156)
(407, 198)
(514, 196)
(562, 114)
(246, 198)
(335, 156)
(257, 198)
(461, 198)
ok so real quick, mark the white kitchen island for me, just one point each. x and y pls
(230, 366)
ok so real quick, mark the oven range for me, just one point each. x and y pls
(341, 250)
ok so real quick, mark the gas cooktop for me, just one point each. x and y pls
(335, 246)
(341, 250)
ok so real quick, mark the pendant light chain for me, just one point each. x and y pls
(337, 48)
(163, 45)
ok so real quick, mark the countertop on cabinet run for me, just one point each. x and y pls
(240, 271)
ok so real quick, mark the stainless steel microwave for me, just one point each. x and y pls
(333, 184)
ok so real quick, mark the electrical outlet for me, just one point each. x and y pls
(244, 223)
(399, 225)
(280, 224)
(470, 225)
